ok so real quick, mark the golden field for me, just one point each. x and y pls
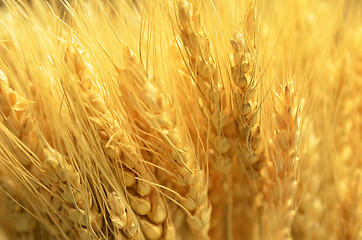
(181, 119)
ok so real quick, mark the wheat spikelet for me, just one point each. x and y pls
(125, 225)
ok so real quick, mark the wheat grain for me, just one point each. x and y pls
(125, 224)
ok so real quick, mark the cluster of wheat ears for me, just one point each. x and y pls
(181, 119)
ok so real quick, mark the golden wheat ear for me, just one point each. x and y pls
(283, 165)
(210, 96)
(55, 182)
(124, 156)
(243, 72)
(181, 163)
(246, 80)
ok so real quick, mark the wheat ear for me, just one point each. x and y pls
(207, 79)
(243, 73)
(144, 198)
(248, 147)
(211, 96)
(348, 176)
(282, 169)
(187, 173)
(59, 183)
(19, 223)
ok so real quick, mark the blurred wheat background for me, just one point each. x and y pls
(181, 119)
